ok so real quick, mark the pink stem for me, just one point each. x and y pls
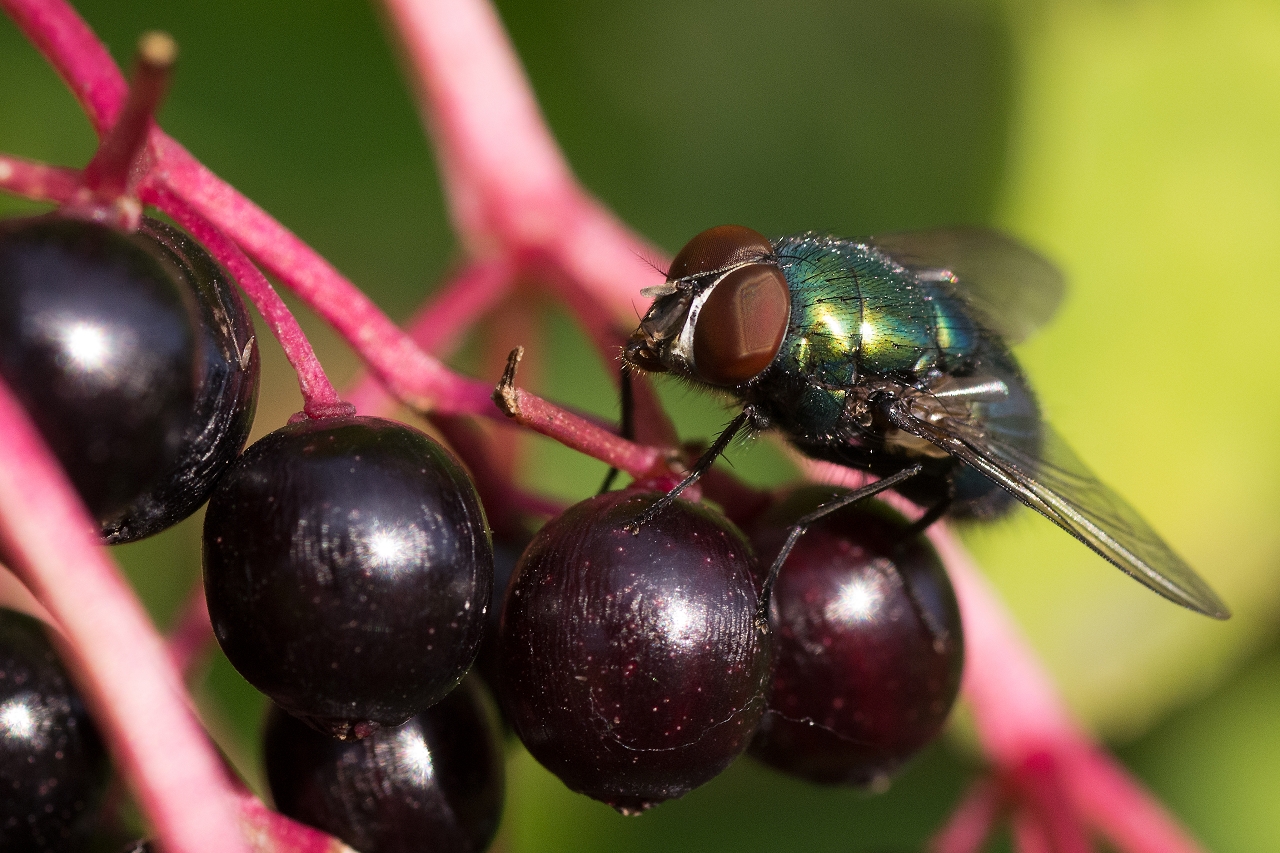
(1039, 785)
(116, 656)
(37, 181)
(1019, 715)
(319, 398)
(76, 53)
(439, 325)
(497, 148)
(121, 158)
(1121, 809)
(191, 637)
(272, 832)
(413, 376)
(973, 821)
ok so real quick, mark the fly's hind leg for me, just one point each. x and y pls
(802, 524)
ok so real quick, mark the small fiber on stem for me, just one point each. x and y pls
(574, 431)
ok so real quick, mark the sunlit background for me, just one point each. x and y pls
(1135, 143)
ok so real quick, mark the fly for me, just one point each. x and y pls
(891, 355)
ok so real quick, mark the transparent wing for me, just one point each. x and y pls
(1016, 290)
(1054, 482)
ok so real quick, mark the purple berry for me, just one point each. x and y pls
(348, 570)
(134, 356)
(633, 666)
(100, 344)
(868, 643)
(53, 768)
(434, 783)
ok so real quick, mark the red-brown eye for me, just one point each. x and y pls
(718, 248)
(741, 325)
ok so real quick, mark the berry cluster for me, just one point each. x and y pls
(349, 575)
(637, 644)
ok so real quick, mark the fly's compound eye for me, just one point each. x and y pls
(719, 248)
(741, 325)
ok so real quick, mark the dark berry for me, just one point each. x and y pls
(218, 424)
(434, 783)
(348, 570)
(53, 768)
(868, 643)
(99, 343)
(633, 666)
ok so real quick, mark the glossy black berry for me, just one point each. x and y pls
(348, 570)
(633, 666)
(868, 643)
(100, 344)
(434, 783)
(53, 768)
(219, 422)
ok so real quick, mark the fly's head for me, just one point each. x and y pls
(720, 317)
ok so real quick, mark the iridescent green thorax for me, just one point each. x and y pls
(857, 314)
(855, 309)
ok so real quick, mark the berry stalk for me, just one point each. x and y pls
(119, 162)
(37, 181)
(320, 399)
(114, 653)
(440, 324)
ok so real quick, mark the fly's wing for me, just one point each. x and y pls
(1055, 483)
(1015, 290)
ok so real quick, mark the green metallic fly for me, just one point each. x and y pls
(891, 355)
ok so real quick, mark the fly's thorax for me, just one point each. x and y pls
(855, 305)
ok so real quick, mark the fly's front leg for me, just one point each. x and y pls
(700, 467)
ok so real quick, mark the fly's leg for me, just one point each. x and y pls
(699, 468)
(931, 517)
(803, 523)
(626, 401)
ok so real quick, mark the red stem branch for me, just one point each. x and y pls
(116, 656)
(972, 822)
(120, 160)
(319, 397)
(414, 377)
(506, 181)
(38, 181)
(272, 832)
(575, 431)
(440, 324)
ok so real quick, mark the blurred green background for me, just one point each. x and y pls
(1135, 143)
